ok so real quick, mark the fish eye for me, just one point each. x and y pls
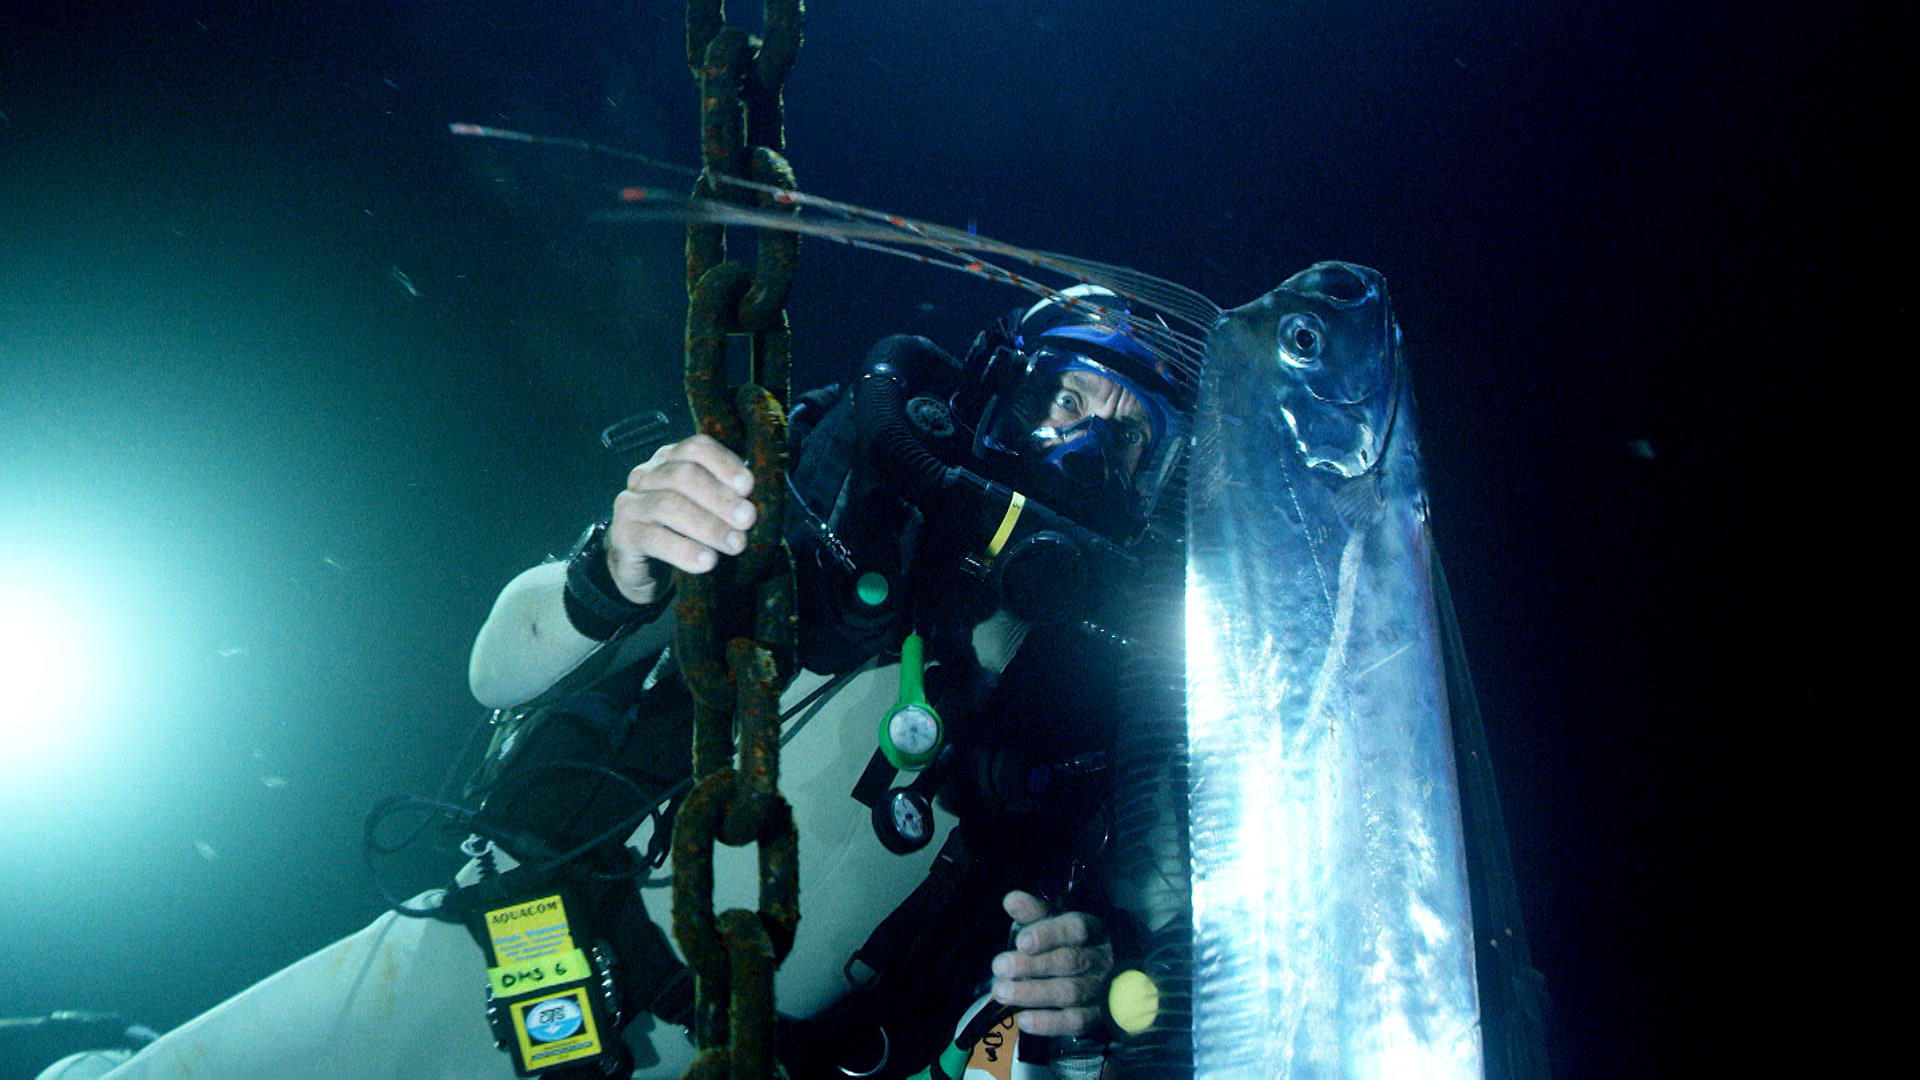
(1301, 340)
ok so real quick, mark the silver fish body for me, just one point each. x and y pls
(1333, 936)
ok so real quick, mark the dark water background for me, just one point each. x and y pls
(298, 485)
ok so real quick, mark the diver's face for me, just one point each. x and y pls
(1082, 396)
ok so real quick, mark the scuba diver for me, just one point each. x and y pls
(969, 537)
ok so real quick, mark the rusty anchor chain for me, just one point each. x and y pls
(734, 627)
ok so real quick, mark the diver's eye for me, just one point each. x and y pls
(1301, 340)
(1067, 401)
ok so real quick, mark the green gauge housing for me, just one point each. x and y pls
(911, 733)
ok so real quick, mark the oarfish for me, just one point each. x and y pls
(1332, 931)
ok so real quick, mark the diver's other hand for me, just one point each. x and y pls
(1058, 969)
(684, 507)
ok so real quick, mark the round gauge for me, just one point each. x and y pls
(903, 820)
(909, 820)
(915, 731)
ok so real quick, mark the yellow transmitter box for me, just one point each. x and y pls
(548, 1002)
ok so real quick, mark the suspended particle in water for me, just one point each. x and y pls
(399, 277)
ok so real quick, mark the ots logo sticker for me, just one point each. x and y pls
(553, 1020)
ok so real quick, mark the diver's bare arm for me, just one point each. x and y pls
(528, 644)
(684, 508)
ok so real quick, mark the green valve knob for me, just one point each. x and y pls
(911, 732)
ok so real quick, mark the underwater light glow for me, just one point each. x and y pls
(54, 652)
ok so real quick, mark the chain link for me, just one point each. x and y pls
(734, 627)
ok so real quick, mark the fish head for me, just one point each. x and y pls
(1322, 354)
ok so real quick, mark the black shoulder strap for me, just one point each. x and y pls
(923, 911)
(822, 437)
